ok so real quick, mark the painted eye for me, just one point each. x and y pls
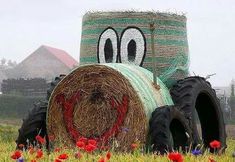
(108, 46)
(132, 46)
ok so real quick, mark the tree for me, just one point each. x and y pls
(232, 99)
(3, 61)
(10, 63)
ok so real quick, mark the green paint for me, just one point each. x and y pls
(162, 59)
(89, 59)
(144, 91)
(147, 59)
(170, 32)
(138, 21)
(163, 42)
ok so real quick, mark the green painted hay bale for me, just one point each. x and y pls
(109, 37)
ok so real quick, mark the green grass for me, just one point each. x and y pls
(8, 135)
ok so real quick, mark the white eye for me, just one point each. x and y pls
(132, 46)
(107, 50)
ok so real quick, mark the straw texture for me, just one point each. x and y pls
(170, 40)
(110, 103)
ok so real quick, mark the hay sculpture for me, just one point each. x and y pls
(127, 37)
(111, 103)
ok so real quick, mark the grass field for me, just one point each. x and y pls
(8, 134)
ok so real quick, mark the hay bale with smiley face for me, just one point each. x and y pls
(111, 103)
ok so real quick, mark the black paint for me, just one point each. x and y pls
(108, 51)
(131, 48)
(108, 48)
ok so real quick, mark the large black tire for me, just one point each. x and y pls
(169, 130)
(195, 95)
(53, 85)
(35, 123)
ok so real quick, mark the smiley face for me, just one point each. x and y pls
(125, 37)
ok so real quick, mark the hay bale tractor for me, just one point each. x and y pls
(132, 85)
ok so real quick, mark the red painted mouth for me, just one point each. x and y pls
(68, 106)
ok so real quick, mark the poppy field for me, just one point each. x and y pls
(87, 151)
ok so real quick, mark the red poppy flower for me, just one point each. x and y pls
(33, 160)
(90, 148)
(134, 146)
(16, 155)
(39, 153)
(78, 155)
(175, 157)
(57, 160)
(108, 155)
(215, 144)
(92, 142)
(31, 150)
(101, 160)
(63, 156)
(21, 145)
(57, 149)
(211, 160)
(80, 144)
(83, 139)
(40, 139)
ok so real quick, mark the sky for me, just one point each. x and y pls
(27, 24)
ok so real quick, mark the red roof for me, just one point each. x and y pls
(62, 56)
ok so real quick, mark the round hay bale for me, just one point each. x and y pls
(109, 37)
(111, 103)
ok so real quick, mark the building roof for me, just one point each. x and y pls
(62, 56)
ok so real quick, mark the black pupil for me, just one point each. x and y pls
(108, 51)
(131, 50)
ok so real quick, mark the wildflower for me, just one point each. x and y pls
(196, 152)
(92, 142)
(211, 160)
(134, 146)
(90, 148)
(125, 130)
(78, 155)
(16, 155)
(40, 139)
(215, 144)
(31, 150)
(33, 160)
(101, 160)
(80, 144)
(63, 156)
(108, 155)
(21, 145)
(21, 159)
(175, 157)
(83, 139)
(39, 153)
(57, 149)
(57, 160)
